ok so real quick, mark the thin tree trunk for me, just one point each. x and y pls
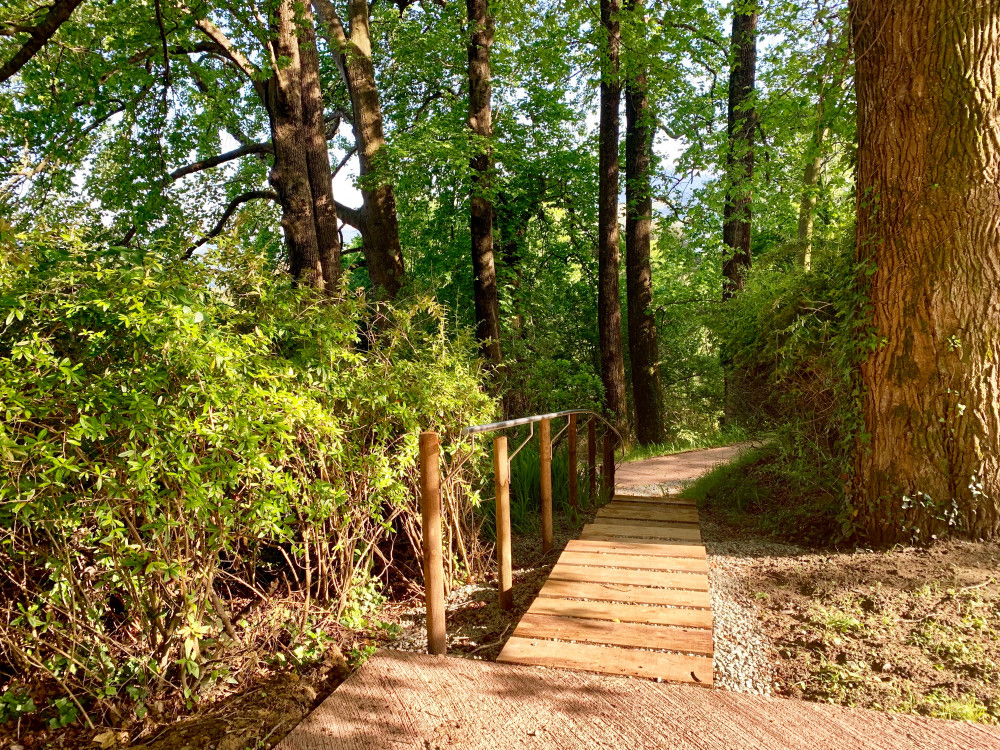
(484, 281)
(807, 206)
(642, 339)
(609, 311)
(929, 227)
(741, 123)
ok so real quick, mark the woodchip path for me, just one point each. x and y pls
(630, 597)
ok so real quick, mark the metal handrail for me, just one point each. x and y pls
(493, 426)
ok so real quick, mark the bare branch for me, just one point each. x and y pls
(235, 203)
(214, 161)
(343, 162)
(38, 36)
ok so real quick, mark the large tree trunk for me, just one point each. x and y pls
(318, 155)
(642, 340)
(741, 123)
(929, 226)
(609, 310)
(379, 223)
(484, 281)
(290, 173)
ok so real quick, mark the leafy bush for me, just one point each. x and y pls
(169, 426)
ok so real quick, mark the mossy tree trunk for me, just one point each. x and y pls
(929, 226)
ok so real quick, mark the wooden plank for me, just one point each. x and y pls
(652, 578)
(609, 527)
(680, 616)
(639, 635)
(621, 497)
(639, 547)
(611, 592)
(639, 562)
(672, 515)
(620, 661)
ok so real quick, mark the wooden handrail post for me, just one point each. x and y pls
(501, 473)
(592, 456)
(573, 503)
(545, 462)
(430, 508)
(609, 465)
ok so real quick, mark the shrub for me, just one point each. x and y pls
(168, 425)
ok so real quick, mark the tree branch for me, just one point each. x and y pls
(38, 36)
(348, 215)
(214, 161)
(230, 210)
(343, 162)
(240, 60)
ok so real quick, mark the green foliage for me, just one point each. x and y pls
(169, 423)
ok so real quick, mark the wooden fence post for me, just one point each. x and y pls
(501, 473)
(592, 456)
(545, 462)
(430, 507)
(609, 465)
(572, 462)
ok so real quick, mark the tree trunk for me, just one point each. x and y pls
(741, 123)
(609, 311)
(379, 223)
(807, 206)
(318, 155)
(642, 340)
(290, 173)
(929, 227)
(484, 280)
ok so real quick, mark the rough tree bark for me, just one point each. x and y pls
(929, 224)
(609, 311)
(642, 339)
(487, 302)
(379, 222)
(741, 123)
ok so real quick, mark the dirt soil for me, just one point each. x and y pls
(912, 630)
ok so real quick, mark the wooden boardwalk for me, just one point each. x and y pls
(630, 597)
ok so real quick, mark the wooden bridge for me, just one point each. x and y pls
(630, 597)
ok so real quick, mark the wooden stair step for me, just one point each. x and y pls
(654, 500)
(651, 578)
(673, 515)
(609, 660)
(612, 527)
(619, 613)
(638, 635)
(640, 562)
(639, 547)
(612, 592)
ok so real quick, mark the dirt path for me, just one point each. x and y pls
(675, 469)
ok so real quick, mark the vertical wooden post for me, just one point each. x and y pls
(501, 472)
(430, 507)
(592, 456)
(545, 459)
(572, 462)
(609, 465)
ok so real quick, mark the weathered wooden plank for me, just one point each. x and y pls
(610, 527)
(609, 660)
(647, 500)
(639, 562)
(638, 547)
(624, 593)
(673, 515)
(638, 635)
(652, 578)
(619, 613)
